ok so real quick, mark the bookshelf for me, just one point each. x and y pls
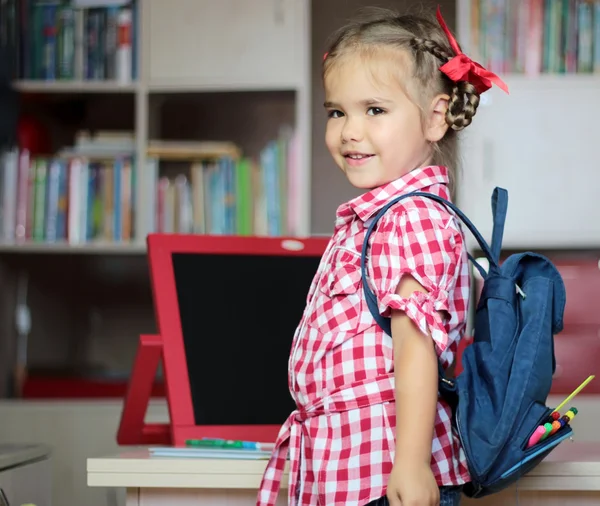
(261, 66)
(199, 78)
(539, 142)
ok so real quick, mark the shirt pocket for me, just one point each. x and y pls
(339, 303)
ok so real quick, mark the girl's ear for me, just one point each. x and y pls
(437, 126)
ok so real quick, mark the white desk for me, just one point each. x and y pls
(569, 476)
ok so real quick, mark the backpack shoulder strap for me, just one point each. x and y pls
(499, 208)
(499, 205)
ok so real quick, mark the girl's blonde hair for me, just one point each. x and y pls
(428, 47)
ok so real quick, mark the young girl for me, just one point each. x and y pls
(369, 426)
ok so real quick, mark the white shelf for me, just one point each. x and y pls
(95, 248)
(166, 86)
(553, 80)
(39, 86)
(184, 86)
(551, 76)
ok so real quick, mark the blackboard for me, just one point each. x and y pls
(238, 316)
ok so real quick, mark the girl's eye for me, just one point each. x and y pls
(334, 114)
(374, 111)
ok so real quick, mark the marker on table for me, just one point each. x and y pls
(229, 444)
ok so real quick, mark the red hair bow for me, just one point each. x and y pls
(462, 68)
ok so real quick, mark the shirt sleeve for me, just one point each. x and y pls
(430, 247)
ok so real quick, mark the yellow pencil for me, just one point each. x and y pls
(575, 392)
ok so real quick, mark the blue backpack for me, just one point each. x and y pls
(499, 399)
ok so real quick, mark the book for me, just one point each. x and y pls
(209, 453)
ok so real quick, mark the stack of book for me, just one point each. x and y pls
(80, 194)
(71, 39)
(90, 192)
(210, 448)
(218, 191)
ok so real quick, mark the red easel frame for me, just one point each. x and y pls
(169, 345)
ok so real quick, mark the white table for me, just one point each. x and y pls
(569, 476)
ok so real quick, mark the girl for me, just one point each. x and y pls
(369, 427)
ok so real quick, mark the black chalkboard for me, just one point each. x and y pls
(238, 316)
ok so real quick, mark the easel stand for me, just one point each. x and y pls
(132, 428)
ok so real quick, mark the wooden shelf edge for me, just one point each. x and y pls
(39, 86)
(194, 87)
(544, 79)
(66, 248)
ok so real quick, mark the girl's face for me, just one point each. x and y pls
(374, 131)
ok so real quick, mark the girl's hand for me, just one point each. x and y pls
(412, 484)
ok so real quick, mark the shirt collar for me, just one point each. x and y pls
(367, 204)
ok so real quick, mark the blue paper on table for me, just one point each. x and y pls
(209, 453)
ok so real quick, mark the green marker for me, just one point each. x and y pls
(548, 427)
(230, 444)
(214, 443)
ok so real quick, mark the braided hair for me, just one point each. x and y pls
(464, 98)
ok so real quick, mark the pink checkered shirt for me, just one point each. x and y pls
(341, 437)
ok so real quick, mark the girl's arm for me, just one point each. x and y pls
(416, 375)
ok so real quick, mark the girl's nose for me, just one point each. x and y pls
(352, 131)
